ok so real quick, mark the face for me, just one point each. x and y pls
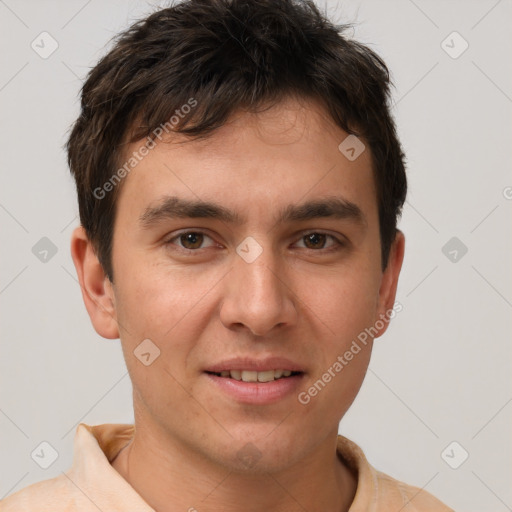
(281, 270)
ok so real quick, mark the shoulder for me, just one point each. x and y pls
(411, 498)
(380, 492)
(52, 495)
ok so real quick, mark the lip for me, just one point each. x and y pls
(257, 393)
(255, 365)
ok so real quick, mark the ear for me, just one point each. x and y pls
(96, 287)
(389, 283)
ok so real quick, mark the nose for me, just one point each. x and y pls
(258, 296)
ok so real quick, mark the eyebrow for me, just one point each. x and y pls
(172, 207)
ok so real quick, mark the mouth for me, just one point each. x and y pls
(248, 380)
(256, 376)
(257, 387)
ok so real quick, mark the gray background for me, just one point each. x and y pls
(442, 371)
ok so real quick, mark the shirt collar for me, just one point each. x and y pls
(96, 446)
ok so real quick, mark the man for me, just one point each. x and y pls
(239, 182)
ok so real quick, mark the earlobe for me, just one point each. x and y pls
(96, 288)
(389, 282)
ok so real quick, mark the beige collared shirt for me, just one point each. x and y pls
(93, 485)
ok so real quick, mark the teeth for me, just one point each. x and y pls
(249, 376)
(265, 376)
(236, 374)
(252, 376)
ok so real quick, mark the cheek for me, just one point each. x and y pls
(345, 310)
(159, 299)
(344, 302)
(159, 323)
(172, 308)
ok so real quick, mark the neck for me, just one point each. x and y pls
(171, 477)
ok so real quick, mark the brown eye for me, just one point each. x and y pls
(188, 242)
(191, 240)
(315, 240)
(320, 242)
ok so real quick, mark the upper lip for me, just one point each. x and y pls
(255, 365)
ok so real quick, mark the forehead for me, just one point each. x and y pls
(283, 154)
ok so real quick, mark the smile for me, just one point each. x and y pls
(254, 376)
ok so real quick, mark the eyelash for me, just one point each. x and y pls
(338, 243)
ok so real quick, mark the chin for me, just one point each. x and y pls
(251, 455)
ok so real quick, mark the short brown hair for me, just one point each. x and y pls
(228, 55)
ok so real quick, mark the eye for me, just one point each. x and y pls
(317, 240)
(194, 240)
(189, 240)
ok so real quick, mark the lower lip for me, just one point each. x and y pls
(258, 393)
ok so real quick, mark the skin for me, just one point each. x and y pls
(304, 302)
